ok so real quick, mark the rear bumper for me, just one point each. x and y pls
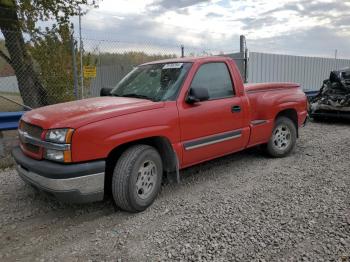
(331, 114)
(73, 183)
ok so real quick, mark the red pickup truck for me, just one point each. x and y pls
(162, 117)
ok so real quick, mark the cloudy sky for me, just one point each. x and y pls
(298, 27)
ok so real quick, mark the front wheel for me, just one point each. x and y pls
(283, 138)
(137, 178)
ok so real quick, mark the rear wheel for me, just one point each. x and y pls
(137, 178)
(283, 138)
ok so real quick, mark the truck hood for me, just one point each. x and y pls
(78, 113)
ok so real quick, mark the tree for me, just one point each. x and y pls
(52, 53)
(21, 16)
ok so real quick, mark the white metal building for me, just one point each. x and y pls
(307, 71)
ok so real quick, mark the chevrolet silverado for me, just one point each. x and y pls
(160, 118)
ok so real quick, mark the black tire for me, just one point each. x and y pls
(127, 177)
(283, 138)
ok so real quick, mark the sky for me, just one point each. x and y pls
(296, 27)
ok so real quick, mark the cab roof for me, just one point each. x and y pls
(190, 60)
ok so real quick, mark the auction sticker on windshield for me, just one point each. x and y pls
(172, 66)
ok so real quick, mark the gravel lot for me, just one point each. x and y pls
(243, 207)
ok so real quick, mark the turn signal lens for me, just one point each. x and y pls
(67, 155)
(69, 135)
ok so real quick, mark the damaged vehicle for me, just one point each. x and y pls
(333, 99)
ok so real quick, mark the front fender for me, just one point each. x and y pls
(97, 140)
(137, 134)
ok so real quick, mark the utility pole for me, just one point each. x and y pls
(81, 56)
(182, 51)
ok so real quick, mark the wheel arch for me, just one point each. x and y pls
(160, 143)
(292, 114)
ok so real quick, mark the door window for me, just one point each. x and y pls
(216, 78)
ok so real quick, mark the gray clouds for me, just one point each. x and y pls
(213, 15)
(317, 41)
(175, 4)
(292, 27)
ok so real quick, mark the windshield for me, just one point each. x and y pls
(156, 82)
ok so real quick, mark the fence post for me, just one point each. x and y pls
(336, 57)
(99, 73)
(2, 145)
(246, 61)
(244, 52)
(74, 64)
(81, 57)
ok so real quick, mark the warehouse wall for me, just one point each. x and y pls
(308, 71)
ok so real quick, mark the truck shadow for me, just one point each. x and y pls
(222, 162)
(106, 207)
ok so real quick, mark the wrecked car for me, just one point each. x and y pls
(333, 99)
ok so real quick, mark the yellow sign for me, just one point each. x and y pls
(89, 71)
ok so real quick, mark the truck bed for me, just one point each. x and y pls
(262, 87)
(264, 101)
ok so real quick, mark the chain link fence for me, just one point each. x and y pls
(34, 73)
(49, 68)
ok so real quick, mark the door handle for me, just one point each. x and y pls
(235, 109)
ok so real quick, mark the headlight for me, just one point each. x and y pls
(62, 136)
(54, 155)
(59, 136)
(58, 155)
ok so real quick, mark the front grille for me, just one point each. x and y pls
(32, 130)
(31, 148)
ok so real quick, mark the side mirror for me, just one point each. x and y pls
(105, 91)
(197, 94)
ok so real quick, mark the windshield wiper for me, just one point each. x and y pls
(138, 96)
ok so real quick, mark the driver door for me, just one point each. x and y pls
(211, 128)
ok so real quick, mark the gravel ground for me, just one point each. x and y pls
(8, 139)
(243, 207)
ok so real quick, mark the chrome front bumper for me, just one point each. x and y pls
(68, 183)
(75, 190)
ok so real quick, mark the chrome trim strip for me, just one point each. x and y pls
(37, 142)
(84, 184)
(206, 141)
(213, 142)
(258, 122)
